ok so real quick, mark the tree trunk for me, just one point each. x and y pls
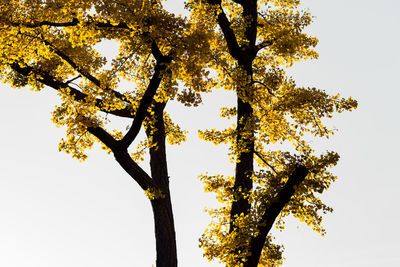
(244, 166)
(165, 232)
(162, 207)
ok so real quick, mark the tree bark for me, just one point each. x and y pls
(162, 207)
(164, 232)
(244, 166)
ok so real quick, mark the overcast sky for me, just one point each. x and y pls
(55, 211)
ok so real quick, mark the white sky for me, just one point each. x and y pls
(55, 211)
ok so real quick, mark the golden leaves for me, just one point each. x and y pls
(75, 118)
(284, 117)
(175, 135)
(59, 39)
(154, 193)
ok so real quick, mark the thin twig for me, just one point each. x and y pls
(263, 160)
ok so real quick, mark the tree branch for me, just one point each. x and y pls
(224, 24)
(73, 22)
(151, 90)
(135, 171)
(145, 102)
(83, 72)
(80, 70)
(263, 84)
(119, 148)
(104, 137)
(49, 80)
(265, 43)
(37, 24)
(270, 214)
(123, 158)
(259, 155)
(121, 155)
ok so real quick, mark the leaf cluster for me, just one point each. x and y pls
(237, 45)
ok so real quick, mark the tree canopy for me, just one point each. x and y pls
(240, 46)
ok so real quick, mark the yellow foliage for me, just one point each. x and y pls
(220, 45)
(154, 193)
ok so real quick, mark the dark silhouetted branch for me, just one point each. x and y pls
(272, 212)
(49, 80)
(148, 96)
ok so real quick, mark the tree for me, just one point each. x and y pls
(240, 46)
